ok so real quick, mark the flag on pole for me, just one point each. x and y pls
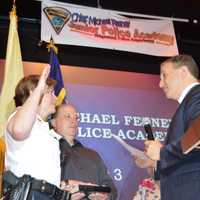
(56, 74)
(13, 71)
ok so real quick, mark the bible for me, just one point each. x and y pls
(92, 188)
(191, 138)
(87, 188)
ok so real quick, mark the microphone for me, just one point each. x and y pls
(148, 130)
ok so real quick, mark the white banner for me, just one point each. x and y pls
(93, 27)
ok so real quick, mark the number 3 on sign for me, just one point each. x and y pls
(118, 174)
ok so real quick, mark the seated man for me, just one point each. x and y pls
(78, 162)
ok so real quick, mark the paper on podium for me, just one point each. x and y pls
(132, 150)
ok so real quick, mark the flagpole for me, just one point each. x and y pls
(14, 7)
(52, 45)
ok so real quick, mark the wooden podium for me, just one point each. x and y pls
(191, 138)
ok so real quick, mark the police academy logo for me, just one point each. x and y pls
(58, 17)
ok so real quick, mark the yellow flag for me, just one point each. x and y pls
(13, 72)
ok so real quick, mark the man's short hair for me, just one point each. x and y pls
(184, 60)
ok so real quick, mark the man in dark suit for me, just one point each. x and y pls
(179, 173)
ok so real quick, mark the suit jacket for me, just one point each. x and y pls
(179, 173)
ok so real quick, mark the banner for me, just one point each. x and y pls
(94, 27)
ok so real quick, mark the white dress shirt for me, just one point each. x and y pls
(185, 91)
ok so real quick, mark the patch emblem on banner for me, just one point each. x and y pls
(58, 17)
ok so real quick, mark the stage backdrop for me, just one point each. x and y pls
(119, 103)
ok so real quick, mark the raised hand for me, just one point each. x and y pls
(43, 77)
